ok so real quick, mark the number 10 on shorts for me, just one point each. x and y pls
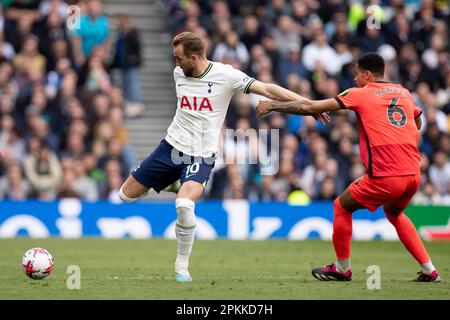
(192, 169)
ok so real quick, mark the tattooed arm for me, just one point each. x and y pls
(275, 92)
(304, 107)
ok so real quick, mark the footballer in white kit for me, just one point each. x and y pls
(202, 106)
(204, 90)
(188, 151)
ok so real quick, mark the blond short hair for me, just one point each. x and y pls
(192, 43)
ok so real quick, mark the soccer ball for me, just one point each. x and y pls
(37, 263)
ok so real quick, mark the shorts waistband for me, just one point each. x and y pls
(164, 141)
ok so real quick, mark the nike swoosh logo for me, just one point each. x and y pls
(193, 174)
(181, 84)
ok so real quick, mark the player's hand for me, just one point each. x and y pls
(322, 117)
(263, 108)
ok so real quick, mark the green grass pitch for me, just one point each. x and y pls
(221, 269)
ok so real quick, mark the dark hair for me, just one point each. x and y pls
(372, 62)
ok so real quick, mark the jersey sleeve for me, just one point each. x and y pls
(417, 112)
(239, 80)
(351, 99)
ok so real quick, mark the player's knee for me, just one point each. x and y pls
(391, 212)
(185, 209)
(337, 202)
(338, 208)
(191, 190)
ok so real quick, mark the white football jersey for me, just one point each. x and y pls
(202, 106)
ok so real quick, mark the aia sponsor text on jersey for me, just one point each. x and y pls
(196, 103)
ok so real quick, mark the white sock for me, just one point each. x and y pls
(185, 238)
(427, 267)
(343, 265)
(185, 233)
(125, 198)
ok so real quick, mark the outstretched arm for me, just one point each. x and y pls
(304, 107)
(275, 92)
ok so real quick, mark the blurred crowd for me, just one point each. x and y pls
(309, 47)
(61, 112)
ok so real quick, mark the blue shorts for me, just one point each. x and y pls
(165, 165)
